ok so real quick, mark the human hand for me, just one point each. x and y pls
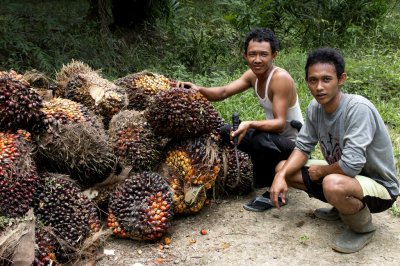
(316, 172)
(278, 187)
(241, 131)
(184, 85)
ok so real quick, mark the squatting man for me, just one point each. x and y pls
(358, 176)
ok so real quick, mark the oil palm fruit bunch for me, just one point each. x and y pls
(79, 149)
(141, 207)
(191, 168)
(141, 88)
(230, 181)
(19, 104)
(59, 111)
(182, 113)
(78, 82)
(134, 142)
(73, 142)
(196, 160)
(60, 205)
(18, 175)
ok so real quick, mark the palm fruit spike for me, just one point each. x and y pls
(141, 207)
(19, 105)
(17, 239)
(134, 142)
(182, 113)
(40, 83)
(18, 175)
(68, 72)
(141, 87)
(59, 111)
(59, 204)
(229, 182)
(38, 80)
(91, 89)
(79, 149)
(196, 160)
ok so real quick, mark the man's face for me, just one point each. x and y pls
(324, 85)
(259, 56)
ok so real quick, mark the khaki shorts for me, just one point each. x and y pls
(375, 195)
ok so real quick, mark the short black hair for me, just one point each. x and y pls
(326, 55)
(262, 35)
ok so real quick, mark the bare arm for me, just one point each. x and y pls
(222, 92)
(294, 163)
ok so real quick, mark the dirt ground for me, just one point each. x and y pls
(289, 236)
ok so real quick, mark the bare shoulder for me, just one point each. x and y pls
(249, 77)
(282, 74)
(282, 80)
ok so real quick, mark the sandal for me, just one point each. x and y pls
(260, 204)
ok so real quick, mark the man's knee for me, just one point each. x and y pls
(335, 186)
(332, 185)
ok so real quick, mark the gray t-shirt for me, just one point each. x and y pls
(355, 136)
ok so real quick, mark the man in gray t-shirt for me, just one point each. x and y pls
(358, 176)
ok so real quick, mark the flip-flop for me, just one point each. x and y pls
(260, 204)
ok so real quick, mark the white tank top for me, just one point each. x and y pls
(293, 113)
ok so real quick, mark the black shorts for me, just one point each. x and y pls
(376, 202)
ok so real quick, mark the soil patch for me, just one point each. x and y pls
(289, 236)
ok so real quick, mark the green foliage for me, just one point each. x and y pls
(33, 39)
(310, 23)
(199, 39)
(376, 77)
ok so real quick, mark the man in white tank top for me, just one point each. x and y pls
(271, 140)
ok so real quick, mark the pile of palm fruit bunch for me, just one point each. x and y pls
(78, 82)
(191, 168)
(140, 207)
(18, 175)
(182, 113)
(84, 139)
(72, 217)
(73, 142)
(134, 142)
(142, 87)
(236, 175)
(19, 103)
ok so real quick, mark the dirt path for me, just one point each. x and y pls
(290, 236)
